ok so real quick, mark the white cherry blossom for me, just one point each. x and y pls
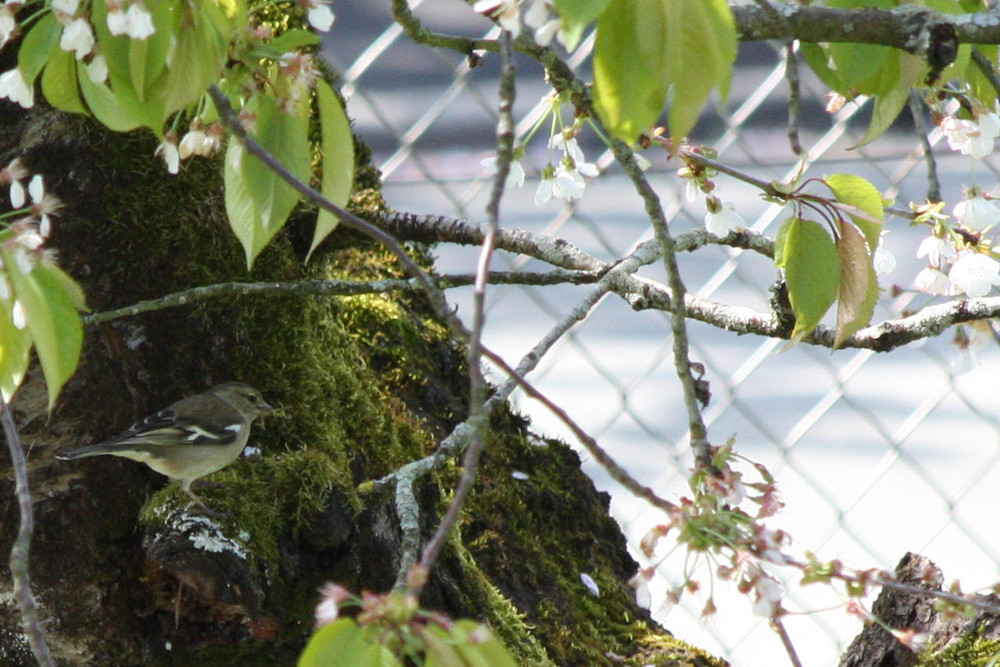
(136, 22)
(932, 281)
(515, 177)
(14, 88)
(937, 250)
(976, 213)
(974, 274)
(972, 138)
(504, 12)
(883, 261)
(169, 153)
(97, 70)
(723, 219)
(319, 14)
(77, 37)
(67, 7)
(8, 24)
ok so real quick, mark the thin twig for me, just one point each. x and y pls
(786, 641)
(477, 383)
(21, 549)
(794, 97)
(678, 325)
(335, 288)
(917, 111)
(606, 461)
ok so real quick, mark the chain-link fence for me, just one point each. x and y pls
(875, 454)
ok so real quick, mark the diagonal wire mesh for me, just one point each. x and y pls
(875, 454)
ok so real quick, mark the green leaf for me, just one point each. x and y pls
(858, 66)
(575, 15)
(258, 201)
(466, 644)
(118, 110)
(897, 77)
(50, 313)
(982, 89)
(779, 243)
(816, 57)
(812, 273)
(15, 349)
(59, 84)
(38, 44)
(699, 51)
(857, 289)
(197, 60)
(294, 39)
(859, 193)
(630, 76)
(148, 57)
(116, 48)
(338, 160)
(344, 643)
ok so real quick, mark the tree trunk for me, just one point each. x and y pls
(125, 575)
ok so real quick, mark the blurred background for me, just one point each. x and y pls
(875, 454)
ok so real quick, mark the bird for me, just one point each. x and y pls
(189, 439)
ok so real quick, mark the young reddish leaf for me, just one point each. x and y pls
(812, 270)
(857, 290)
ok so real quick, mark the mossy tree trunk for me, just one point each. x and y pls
(362, 384)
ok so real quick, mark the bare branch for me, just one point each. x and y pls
(21, 549)
(907, 27)
(794, 97)
(917, 111)
(477, 383)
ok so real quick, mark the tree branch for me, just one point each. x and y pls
(907, 27)
(21, 549)
(477, 383)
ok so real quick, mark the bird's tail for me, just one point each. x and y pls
(83, 452)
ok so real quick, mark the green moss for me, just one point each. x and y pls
(534, 538)
(971, 650)
(662, 650)
(498, 612)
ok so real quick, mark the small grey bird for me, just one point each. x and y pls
(190, 439)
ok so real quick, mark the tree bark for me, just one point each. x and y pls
(126, 575)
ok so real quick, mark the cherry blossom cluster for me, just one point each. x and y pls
(713, 524)
(539, 18)
(26, 228)
(132, 18)
(77, 36)
(959, 255)
(562, 177)
(721, 217)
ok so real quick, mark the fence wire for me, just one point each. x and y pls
(875, 454)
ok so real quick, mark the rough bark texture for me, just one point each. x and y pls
(125, 576)
(951, 637)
